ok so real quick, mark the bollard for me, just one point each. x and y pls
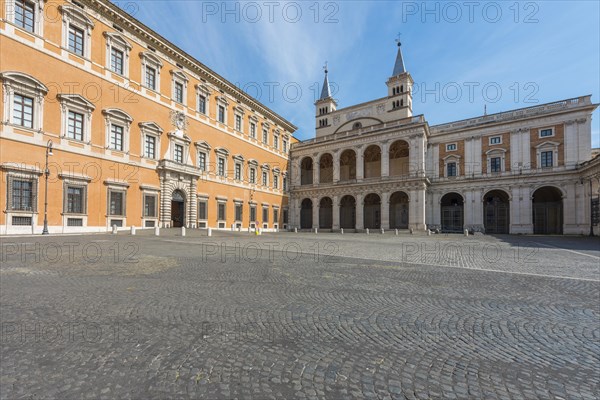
(428, 232)
(382, 231)
(316, 231)
(396, 232)
(156, 231)
(183, 231)
(466, 232)
(249, 230)
(209, 232)
(232, 227)
(132, 230)
(342, 231)
(412, 232)
(114, 229)
(367, 231)
(295, 230)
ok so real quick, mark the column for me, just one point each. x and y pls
(360, 164)
(385, 210)
(521, 217)
(359, 212)
(336, 213)
(436, 209)
(315, 212)
(416, 210)
(477, 210)
(316, 169)
(336, 166)
(294, 214)
(294, 172)
(385, 159)
(192, 204)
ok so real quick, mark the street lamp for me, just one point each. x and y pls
(47, 173)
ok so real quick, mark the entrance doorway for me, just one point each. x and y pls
(547, 211)
(177, 209)
(496, 212)
(372, 211)
(452, 212)
(399, 211)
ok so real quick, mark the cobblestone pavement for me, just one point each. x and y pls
(299, 316)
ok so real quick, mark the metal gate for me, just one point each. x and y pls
(452, 218)
(547, 218)
(496, 217)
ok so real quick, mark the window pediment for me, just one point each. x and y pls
(252, 162)
(23, 80)
(492, 151)
(547, 144)
(177, 74)
(451, 157)
(150, 58)
(76, 14)
(117, 114)
(203, 89)
(238, 157)
(202, 145)
(222, 151)
(150, 127)
(117, 39)
(266, 167)
(77, 100)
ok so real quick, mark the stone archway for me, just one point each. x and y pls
(452, 209)
(547, 211)
(326, 168)
(399, 210)
(306, 171)
(372, 211)
(496, 212)
(348, 212)
(306, 214)
(326, 213)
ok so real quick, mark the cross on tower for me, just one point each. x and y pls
(398, 39)
(325, 67)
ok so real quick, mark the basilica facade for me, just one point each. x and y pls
(377, 166)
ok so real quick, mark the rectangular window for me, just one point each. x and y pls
(285, 183)
(265, 178)
(252, 130)
(22, 195)
(150, 78)
(275, 216)
(496, 140)
(221, 211)
(252, 213)
(222, 114)
(252, 175)
(265, 136)
(75, 200)
(451, 147)
(76, 40)
(25, 15)
(21, 221)
(276, 142)
(495, 164)
(546, 132)
(546, 159)
(238, 212)
(178, 153)
(221, 166)
(116, 203)
(238, 123)
(238, 172)
(202, 161)
(275, 182)
(451, 169)
(116, 137)
(150, 146)
(116, 61)
(285, 146)
(150, 206)
(75, 126)
(202, 210)
(202, 104)
(179, 92)
(265, 216)
(23, 111)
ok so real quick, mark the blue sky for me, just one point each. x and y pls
(461, 55)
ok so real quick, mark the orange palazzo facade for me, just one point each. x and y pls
(127, 129)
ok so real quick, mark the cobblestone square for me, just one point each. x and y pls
(287, 315)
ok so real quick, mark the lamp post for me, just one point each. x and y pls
(47, 174)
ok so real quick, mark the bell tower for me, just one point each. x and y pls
(400, 88)
(326, 103)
